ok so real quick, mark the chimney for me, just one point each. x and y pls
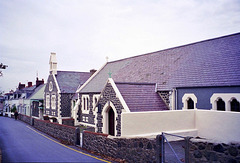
(92, 71)
(21, 86)
(29, 84)
(39, 82)
(53, 64)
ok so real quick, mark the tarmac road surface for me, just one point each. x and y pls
(22, 143)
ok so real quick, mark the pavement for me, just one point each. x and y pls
(20, 142)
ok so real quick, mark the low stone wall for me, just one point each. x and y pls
(131, 150)
(24, 118)
(201, 151)
(62, 132)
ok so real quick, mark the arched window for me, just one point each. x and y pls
(189, 101)
(84, 104)
(111, 122)
(220, 105)
(87, 104)
(190, 104)
(235, 105)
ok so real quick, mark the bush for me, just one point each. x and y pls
(13, 109)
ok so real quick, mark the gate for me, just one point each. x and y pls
(172, 151)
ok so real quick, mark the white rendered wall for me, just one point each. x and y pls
(140, 123)
(218, 125)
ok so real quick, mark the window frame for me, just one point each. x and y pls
(185, 99)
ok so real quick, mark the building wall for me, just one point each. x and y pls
(49, 111)
(86, 116)
(65, 110)
(109, 96)
(218, 125)
(137, 123)
(35, 109)
(214, 125)
(203, 95)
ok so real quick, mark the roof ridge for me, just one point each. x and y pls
(176, 47)
(72, 71)
(135, 83)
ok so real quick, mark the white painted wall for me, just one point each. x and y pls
(217, 126)
(140, 123)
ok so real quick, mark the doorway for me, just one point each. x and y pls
(111, 122)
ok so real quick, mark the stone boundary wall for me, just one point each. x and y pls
(66, 134)
(24, 118)
(204, 152)
(131, 150)
(63, 132)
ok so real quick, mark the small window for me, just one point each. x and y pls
(189, 101)
(235, 106)
(87, 104)
(50, 86)
(47, 101)
(190, 104)
(220, 105)
(53, 102)
(84, 104)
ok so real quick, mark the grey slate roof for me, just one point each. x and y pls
(69, 81)
(213, 62)
(141, 97)
(38, 92)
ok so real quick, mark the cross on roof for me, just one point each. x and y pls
(110, 74)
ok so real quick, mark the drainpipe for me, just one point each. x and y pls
(173, 99)
(176, 99)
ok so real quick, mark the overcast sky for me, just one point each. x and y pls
(83, 33)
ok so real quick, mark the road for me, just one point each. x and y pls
(22, 143)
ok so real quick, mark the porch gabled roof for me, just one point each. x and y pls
(141, 97)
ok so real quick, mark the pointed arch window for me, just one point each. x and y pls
(190, 104)
(111, 122)
(84, 104)
(47, 101)
(87, 104)
(220, 105)
(235, 106)
(189, 101)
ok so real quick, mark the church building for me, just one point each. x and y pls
(201, 75)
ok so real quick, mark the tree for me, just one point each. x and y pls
(2, 66)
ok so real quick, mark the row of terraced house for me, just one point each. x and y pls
(145, 94)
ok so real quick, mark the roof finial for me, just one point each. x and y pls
(107, 58)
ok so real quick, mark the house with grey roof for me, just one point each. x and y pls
(201, 75)
(36, 102)
(20, 99)
(60, 88)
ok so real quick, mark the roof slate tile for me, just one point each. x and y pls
(69, 81)
(213, 62)
(141, 97)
